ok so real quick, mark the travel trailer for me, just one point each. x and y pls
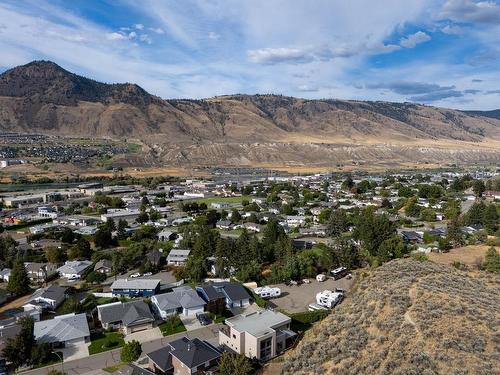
(329, 299)
(339, 273)
(321, 277)
(267, 292)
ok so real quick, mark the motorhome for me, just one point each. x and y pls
(339, 273)
(267, 292)
(329, 299)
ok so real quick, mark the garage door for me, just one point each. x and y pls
(139, 328)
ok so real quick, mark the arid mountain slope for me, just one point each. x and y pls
(252, 129)
(408, 317)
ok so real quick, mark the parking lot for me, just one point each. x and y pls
(296, 298)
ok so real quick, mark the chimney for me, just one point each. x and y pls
(189, 346)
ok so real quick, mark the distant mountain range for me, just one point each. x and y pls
(42, 97)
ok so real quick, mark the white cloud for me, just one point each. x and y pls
(139, 26)
(412, 40)
(132, 35)
(158, 30)
(115, 36)
(452, 29)
(213, 35)
(471, 11)
(145, 38)
(280, 55)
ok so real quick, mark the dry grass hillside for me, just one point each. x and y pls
(408, 318)
(242, 129)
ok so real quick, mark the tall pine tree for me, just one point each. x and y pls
(19, 283)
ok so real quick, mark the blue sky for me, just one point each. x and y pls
(443, 53)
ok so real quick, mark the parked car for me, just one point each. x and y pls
(135, 275)
(204, 319)
(148, 274)
(306, 281)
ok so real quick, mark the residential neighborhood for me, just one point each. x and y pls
(216, 269)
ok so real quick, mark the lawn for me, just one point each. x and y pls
(114, 368)
(53, 359)
(219, 318)
(101, 342)
(210, 200)
(171, 326)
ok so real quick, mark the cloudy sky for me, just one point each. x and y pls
(443, 53)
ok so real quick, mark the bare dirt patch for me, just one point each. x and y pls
(471, 255)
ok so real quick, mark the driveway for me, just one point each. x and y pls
(297, 298)
(146, 335)
(75, 352)
(190, 322)
(246, 309)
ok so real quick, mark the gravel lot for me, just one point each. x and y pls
(296, 298)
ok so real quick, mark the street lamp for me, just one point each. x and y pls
(62, 361)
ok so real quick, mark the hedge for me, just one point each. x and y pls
(308, 317)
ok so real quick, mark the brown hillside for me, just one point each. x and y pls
(408, 317)
(241, 129)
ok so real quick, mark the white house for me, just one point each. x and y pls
(46, 298)
(74, 269)
(295, 220)
(183, 300)
(178, 257)
(63, 331)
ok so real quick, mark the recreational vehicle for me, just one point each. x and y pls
(267, 292)
(339, 273)
(329, 299)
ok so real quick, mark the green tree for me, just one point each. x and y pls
(54, 254)
(345, 253)
(455, 236)
(391, 248)
(95, 277)
(338, 223)
(492, 261)
(131, 351)
(18, 349)
(412, 208)
(235, 216)
(40, 353)
(491, 218)
(478, 188)
(234, 364)
(19, 283)
(70, 305)
(371, 230)
(103, 238)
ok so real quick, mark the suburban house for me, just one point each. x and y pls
(262, 334)
(130, 317)
(181, 300)
(177, 257)
(131, 369)
(46, 298)
(215, 300)
(135, 287)
(63, 331)
(184, 357)
(411, 236)
(74, 269)
(166, 235)
(235, 294)
(103, 266)
(39, 272)
(295, 220)
(224, 224)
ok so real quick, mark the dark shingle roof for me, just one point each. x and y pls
(211, 293)
(233, 291)
(193, 353)
(162, 358)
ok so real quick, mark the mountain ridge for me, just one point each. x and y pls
(43, 97)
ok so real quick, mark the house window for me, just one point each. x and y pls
(265, 348)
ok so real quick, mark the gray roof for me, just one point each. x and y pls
(129, 313)
(75, 267)
(53, 292)
(258, 323)
(137, 283)
(103, 263)
(178, 254)
(211, 292)
(193, 353)
(233, 291)
(131, 369)
(62, 328)
(182, 296)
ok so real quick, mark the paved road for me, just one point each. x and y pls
(112, 357)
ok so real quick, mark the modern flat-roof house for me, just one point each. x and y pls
(183, 300)
(130, 317)
(234, 293)
(63, 331)
(135, 287)
(177, 257)
(184, 357)
(46, 298)
(262, 334)
(74, 269)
